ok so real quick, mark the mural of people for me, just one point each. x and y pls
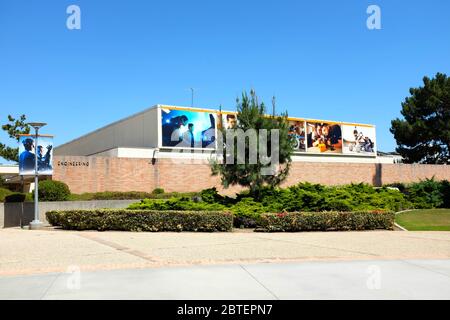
(171, 130)
(324, 137)
(297, 132)
(27, 157)
(28, 152)
(188, 128)
(359, 139)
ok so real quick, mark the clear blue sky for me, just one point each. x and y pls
(317, 57)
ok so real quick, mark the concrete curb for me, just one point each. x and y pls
(405, 211)
(399, 226)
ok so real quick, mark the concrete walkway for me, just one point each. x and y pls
(32, 252)
(56, 264)
(408, 279)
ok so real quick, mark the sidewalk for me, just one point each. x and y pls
(369, 279)
(24, 252)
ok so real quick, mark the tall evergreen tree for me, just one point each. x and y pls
(252, 115)
(423, 136)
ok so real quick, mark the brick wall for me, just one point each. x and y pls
(93, 174)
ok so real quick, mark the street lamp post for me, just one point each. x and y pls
(36, 224)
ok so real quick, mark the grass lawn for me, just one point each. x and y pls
(425, 220)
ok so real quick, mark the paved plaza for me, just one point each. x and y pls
(56, 264)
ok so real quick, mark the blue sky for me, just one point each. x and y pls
(317, 57)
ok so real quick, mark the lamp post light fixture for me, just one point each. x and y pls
(36, 224)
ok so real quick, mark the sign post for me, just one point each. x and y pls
(36, 223)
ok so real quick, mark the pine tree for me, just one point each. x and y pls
(424, 134)
(252, 115)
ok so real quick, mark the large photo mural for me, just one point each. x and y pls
(359, 140)
(187, 128)
(298, 133)
(323, 137)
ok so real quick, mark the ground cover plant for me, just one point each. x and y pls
(307, 197)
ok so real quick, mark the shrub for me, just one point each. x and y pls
(314, 197)
(445, 190)
(399, 185)
(2, 182)
(141, 220)
(53, 217)
(183, 203)
(247, 213)
(337, 205)
(158, 191)
(115, 195)
(3, 193)
(51, 190)
(426, 194)
(127, 195)
(211, 195)
(15, 197)
(326, 221)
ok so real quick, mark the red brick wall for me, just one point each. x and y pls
(125, 174)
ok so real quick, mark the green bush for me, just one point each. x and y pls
(53, 217)
(211, 195)
(183, 203)
(341, 205)
(326, 221)
(3, 193)
(15, 197)
(445, 190)
(425, 194)
(307, 197)
(127, 195)
(2, 182)
(115, 195)
(141, 220)
(51, 190)
(247, 212)
(399, 185)
(313, 197)
(158, 191)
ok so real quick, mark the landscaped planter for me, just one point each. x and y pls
(326, 221)
(142, 220)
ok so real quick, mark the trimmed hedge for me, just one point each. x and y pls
(326, 221)
(16, 197)
(141, 220)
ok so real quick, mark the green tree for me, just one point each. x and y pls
(14, 127)
(423, 135)
(251, 115)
